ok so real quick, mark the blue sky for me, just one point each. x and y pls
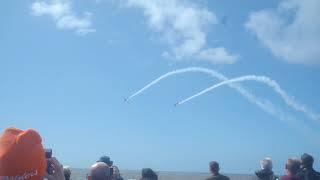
(66, 66)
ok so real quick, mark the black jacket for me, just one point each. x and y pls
(218, 177)
(308, 174)
(265, 174)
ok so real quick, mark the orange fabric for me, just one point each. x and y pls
(22, 155)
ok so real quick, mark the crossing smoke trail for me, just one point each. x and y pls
(261, 103)
(266, 80)
(210, 72)
(180, 71)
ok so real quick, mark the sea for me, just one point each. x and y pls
(81, 174)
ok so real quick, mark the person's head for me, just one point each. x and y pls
(100, 171)
(266, 163)
(22, 155)
(292, 167)
(106, 159)
(116, 172)
(67, 172)
(214, 167)
(306, 160)
(148, 174)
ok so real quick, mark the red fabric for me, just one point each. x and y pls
(22, 155)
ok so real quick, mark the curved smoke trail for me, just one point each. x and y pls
(261, 103)
(179, 71)
(263, 79)
(210, 72)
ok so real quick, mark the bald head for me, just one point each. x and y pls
(100, 171)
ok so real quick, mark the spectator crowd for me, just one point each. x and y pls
(23, 157)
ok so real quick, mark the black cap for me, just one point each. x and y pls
(106, 159)
(306, 160)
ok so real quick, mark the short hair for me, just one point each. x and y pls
(148, 173)
(293, 166)
(307, 160)
(214, 166)
(266, 163)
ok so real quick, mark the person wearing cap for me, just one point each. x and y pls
(22, 156)
(292, 167)
(306, 171)
(265, 173)
(148, 174)
(100, 171)
(106, 159)
(214, 169)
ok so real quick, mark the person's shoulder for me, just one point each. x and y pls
(226, 178)
(285, 177)
(318, 175)
(219, 177)
(274, 177)
(223, 177)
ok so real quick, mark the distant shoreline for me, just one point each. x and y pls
(81, 173)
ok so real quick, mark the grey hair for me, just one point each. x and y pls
(266, 163)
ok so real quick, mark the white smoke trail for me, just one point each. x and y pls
(179, 71)
(265, 105)
(266, 80)
(210, 72)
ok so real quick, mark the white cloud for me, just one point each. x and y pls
(291, 32)
(61, 12)
(217, 55)
(183, 25)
